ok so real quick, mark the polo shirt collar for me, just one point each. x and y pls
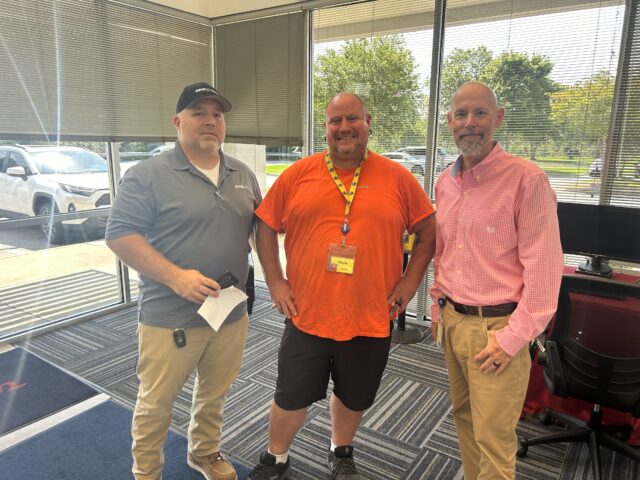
(179, 161)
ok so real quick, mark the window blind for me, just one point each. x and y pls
(95, 69)
(621, 174)
(260, 68)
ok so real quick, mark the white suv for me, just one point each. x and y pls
(41, 180)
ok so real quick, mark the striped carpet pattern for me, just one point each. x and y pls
(408, 434)
(35, 304)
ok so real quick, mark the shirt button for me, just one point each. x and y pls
(465, 194)
(477, 177)
(460, 246)
(458, 272)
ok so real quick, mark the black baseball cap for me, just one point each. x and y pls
(197, 91)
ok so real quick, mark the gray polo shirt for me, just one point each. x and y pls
(190, 221)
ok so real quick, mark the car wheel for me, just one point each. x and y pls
(52, 231)
(417, 170)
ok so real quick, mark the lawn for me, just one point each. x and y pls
(564, 165)
(553, 165)
(276, 169)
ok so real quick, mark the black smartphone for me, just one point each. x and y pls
(227, 279)
(179, 337)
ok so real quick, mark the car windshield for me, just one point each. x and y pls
(69, 161)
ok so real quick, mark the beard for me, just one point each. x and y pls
(339, 149)
(470, 145)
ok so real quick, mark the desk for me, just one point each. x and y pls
(538, 397)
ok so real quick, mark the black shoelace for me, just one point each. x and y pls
(263, 472)
(345, 465)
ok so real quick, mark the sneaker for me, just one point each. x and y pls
(268, 469)
(342, 465)
(213, 467)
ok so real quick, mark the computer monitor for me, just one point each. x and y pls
(601, 232)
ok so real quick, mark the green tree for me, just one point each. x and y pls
(382, 71)
(524, 89)
(581, 112)
(461, 66)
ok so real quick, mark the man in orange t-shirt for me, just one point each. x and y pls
(344, 212)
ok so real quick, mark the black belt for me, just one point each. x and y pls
(488, 311)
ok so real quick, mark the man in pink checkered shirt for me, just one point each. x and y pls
(498, 266)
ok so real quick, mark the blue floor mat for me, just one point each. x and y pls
(93, 445)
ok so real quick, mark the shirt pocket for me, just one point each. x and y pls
(493, 229)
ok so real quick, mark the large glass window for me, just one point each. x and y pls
(554, 73)
(553, 68)
(76, 75)
(372, 50)
(53, 263)
(365, 49)
(54, 202)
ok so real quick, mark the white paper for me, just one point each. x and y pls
(216, 309)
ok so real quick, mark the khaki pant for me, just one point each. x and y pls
(486, 407)
(163, 369)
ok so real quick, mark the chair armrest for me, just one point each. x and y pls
(537, 346)
(554, 376)
(542, 358)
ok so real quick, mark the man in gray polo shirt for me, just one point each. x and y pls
(182, 219)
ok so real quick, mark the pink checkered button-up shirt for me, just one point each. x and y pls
(498, 242)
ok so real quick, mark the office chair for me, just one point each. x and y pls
(593, 354)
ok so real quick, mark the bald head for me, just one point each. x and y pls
(477, 89)
(346, 96)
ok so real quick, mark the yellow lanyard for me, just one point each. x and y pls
(348, 196)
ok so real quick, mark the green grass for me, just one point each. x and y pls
(570, 167)
(576, 160)
(276, 169)
(565, 169)
(564, 165)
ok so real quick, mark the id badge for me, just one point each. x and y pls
(408, 241)
(341, 258)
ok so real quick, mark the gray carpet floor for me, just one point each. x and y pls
(408, 434)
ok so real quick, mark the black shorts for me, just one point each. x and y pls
(306, 362)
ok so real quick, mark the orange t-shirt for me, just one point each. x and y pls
(305, 203)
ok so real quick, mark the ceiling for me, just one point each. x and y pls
(218, 8)
(390, 16)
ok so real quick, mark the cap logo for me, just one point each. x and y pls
(198, 90)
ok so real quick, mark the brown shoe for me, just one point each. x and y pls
(212, 467)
